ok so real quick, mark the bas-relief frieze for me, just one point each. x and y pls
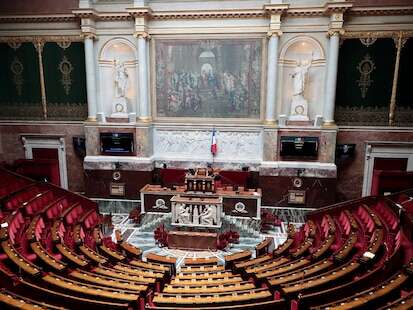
(240, 145)
(196, 144)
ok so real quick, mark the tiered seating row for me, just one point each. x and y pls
(36, 222)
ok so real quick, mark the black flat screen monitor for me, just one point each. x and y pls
(116, 143)
(299, 147)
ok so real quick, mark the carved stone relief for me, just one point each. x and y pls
(232, 145)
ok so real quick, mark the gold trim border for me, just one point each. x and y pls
(263, 12)
(36, 39)
(222, 120)
(375, 34)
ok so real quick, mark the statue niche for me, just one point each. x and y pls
(118, 76)
(302, 71)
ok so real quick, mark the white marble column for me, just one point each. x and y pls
(90, 77)
(143, 78)
(272, 72)
(331, 78)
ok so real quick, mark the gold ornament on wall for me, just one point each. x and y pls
(365, 67)
(64, 44)
(66, 68)
(368, 41)
(14, 45)
(17, 68)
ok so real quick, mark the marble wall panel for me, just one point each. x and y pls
(350, 171)
(327, 142)
(143, 140)
(319, 192)
(98, 183)
(13, 146)
(270, 139)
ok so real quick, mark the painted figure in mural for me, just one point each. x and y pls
(208, 215)
(300, 76)
(120, 78)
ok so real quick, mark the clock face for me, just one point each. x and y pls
(119, 107)
(299, 109)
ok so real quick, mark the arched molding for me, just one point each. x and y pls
(319, 56)
(122, 46)
(299, 48)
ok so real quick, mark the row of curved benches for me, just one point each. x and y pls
(53, 255)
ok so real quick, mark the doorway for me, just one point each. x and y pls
(383, 159)
(48, 148)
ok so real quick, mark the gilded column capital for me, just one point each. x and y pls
(276, 33)
(38, 44)
(142, 34)
(335, 32)
(89, 35)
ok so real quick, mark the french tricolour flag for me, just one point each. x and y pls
(214, 148)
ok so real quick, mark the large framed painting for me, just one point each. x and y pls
(208, 78)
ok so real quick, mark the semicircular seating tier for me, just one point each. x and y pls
(53, 255)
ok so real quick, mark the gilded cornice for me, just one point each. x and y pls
(86, 13)
(267, 10)
(375, 34)
(59, 18)
(382, 11)
(202, 14)
(41, 39)
(140, 12)
(305, 11)
(102, 16)
(337, 7)
(276, 8)
(119, 16)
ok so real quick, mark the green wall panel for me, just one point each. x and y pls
(352, 54)
(353, 107)
(20, 96)
(64, 70)
(404, 88)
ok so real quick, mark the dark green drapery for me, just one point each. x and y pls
(20, 95)
(352, 108)
(66, 93)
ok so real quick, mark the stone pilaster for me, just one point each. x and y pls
(335, 10)
(89, 34)
(141, 16)
(275, 12)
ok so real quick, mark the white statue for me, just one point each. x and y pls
(208, 215)
(184, 215)
(300, 76)
(195, 215)
(299, 105)
(121, 79)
